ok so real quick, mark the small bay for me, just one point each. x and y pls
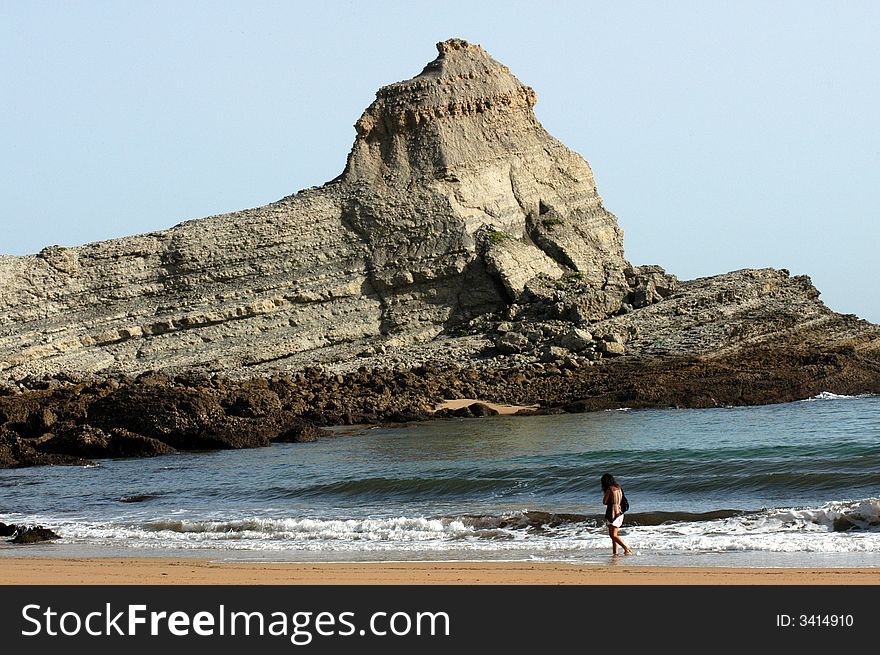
(788, 484)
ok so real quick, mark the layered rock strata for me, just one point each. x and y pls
(462, 253)
(452, 199)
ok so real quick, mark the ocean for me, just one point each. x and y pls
(796, 484)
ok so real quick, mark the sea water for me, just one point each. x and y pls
(796, 484)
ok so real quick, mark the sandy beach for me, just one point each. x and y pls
(503, 410)
(181, 571)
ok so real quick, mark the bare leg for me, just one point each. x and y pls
(615, 540)
(612, 531)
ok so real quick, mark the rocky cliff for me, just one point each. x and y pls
(453, 198)
(463, 252)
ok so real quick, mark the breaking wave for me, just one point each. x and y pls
(843, 526)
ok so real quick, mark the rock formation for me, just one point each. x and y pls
(27, 534)
(453, 198)
(462, 253)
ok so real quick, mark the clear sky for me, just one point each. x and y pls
(723, 135)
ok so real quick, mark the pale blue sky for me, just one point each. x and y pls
(722, 135)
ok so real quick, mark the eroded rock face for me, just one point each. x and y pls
(391, 251)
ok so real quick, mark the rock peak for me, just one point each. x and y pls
(457, 45)
(462, 80)
(466, 55)
(454, 108)
(464, 65)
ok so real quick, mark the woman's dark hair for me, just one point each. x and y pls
(608, 481)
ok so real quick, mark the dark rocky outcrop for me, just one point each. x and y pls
(300, 432)
(26, 534)
(137, 498)
(757, 373)
(92, 442)
(17, 451)
(33, 535)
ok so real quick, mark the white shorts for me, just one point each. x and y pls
(617, 522)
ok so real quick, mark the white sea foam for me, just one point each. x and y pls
(837, 527)
(827, 395)
(311, 534)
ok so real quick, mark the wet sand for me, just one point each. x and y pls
(183, 571)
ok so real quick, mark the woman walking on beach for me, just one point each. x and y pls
(613, 514)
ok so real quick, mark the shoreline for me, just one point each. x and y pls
(203, 571)
(75, 420)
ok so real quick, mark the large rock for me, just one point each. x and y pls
(576, 340)
(301, 432)
(516, 262)
(27, 534)
(33, 535)
(94, 443)
(387, 251)
(513, 342)
(16, 451)
(649, 284)
(181, 417)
